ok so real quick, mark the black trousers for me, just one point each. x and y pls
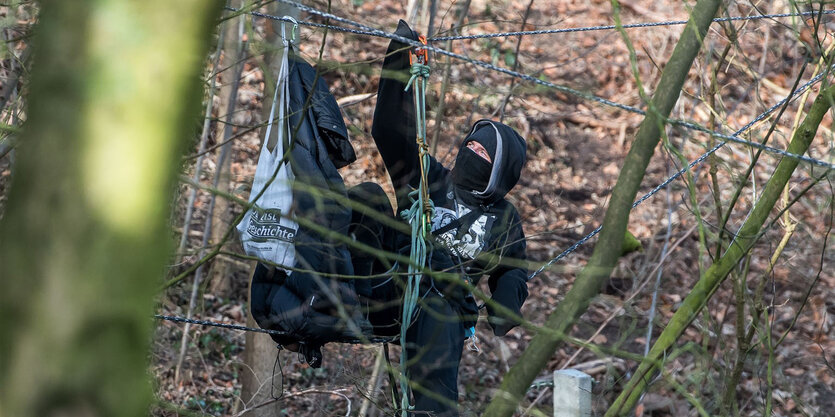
(435, 339)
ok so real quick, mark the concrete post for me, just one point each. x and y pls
(572, 394)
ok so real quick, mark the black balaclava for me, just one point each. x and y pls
(472, 172)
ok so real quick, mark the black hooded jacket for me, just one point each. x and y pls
(305, 303)
(481, 231)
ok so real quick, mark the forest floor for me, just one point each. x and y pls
(575, 150)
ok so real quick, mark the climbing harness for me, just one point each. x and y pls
(419, 214)
(472, 343)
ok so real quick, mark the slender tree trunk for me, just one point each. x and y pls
(221, 216)
(258, 380)
(607, 250)
(114, 94)
(219, 182)
(716, 274)
(260, 350)
(204, 137)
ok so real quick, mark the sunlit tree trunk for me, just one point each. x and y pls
(114, 97)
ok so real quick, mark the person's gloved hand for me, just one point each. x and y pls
(405, 31)
(510, 292)
(397, 54)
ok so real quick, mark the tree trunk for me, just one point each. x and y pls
(257, 378)
(260, 350)
(115, 92)
(607, 250)
(221, 215)
(716, 274)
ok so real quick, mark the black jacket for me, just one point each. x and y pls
(487, 239)
(298, 303)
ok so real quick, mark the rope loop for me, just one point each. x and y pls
(418, 70)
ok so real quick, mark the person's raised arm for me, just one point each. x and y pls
(394, 128)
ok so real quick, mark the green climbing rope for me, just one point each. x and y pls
(419, 217)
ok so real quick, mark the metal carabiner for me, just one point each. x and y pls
(284, 20)
(419, 55)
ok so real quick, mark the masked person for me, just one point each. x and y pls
(475, 232)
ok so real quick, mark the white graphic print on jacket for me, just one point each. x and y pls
(472, 243)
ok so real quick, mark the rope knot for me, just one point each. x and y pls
(418, 70)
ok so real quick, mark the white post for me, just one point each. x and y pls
(572, 394)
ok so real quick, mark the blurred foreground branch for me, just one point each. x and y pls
(114, 93)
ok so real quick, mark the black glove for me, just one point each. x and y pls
(405, 31)
(510, 292)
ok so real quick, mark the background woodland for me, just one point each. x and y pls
(762, 345)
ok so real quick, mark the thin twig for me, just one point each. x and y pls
(634, 294)
(338, 392)
(535, 401)
(225, 141)
(515, 64)
(373, 383)
(11, 85)
(439, 115)
(660, 269)
(198, 167)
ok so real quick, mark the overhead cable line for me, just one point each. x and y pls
(380, 33)
(543, 31)
(207, 323)
(766, 148)
(686, 124)
(734, 137)
(629, 26)
(692, 164)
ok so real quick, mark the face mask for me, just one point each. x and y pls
(471, 172)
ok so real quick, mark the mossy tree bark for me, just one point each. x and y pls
(606, 252)
(716, 273)
(114, 97)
